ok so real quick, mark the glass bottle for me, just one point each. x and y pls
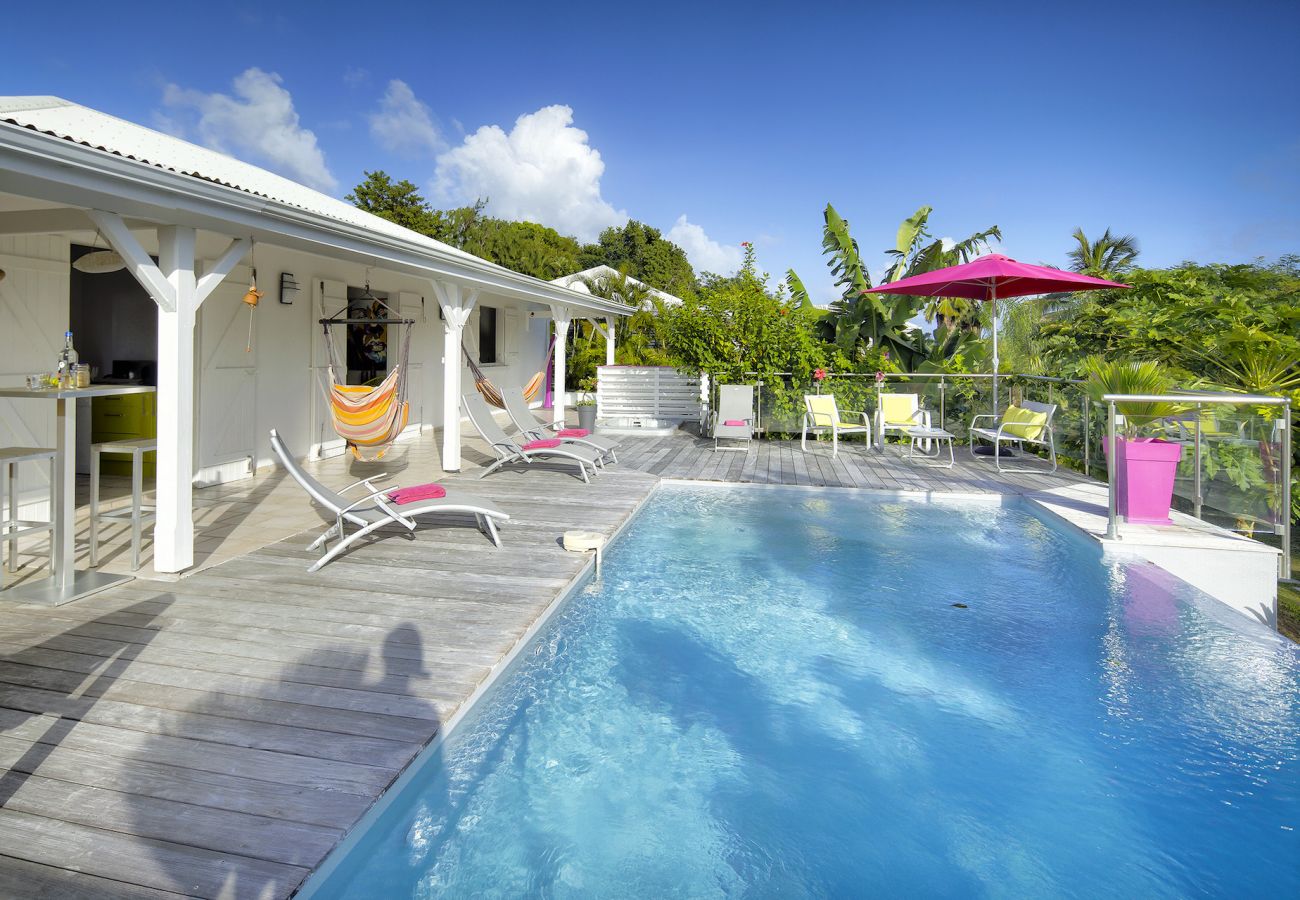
(68, 360)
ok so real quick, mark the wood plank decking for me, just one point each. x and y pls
(218, 735)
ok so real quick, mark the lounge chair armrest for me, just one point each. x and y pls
(975, 419)
(368, 500)
(367, 482)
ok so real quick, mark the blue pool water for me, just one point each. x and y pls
(772, 694)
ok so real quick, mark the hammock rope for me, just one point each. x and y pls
(369, 418)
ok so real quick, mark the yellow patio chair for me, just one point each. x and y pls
(821, 413)
(900, 412)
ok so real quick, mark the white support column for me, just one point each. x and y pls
(457, 303)
(174, 528)
(563, 318)
(609, 341)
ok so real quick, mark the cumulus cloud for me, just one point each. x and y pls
(403, 124)
(705, 254)
(258, 122)
(542, 170)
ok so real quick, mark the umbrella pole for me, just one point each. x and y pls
(994, 301)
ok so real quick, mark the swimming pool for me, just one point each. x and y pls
(786, 693)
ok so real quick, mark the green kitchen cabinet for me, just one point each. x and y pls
(121, 418)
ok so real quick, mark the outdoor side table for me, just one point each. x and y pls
(67, 583)
(939, 437)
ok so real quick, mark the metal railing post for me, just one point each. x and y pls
(1198, 498)
(1285, 562)
(1087, 436)
(943, 387)
(1112, 524)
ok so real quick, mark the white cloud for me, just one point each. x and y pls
(258, 122)
(543, 170)
(403, 124)
(705, 254)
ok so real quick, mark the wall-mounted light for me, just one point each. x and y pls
(288, 288)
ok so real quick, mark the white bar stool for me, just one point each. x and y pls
(138, 515)
(12, 527)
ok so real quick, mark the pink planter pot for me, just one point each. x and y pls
(1144, 479)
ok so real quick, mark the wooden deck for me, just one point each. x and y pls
(216, 736)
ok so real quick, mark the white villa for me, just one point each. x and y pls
(192, 224)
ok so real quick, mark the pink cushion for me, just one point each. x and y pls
(573, 432)
(417, 492)
(544, 444)
(739, 423)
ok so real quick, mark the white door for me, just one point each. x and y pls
(328, 297)
(227, 384)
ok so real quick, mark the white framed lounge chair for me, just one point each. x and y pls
(733, 420)
(1024, 423)
(534, 429)
(510, 452)
(899, 413)
(376, 508)
(820, 412)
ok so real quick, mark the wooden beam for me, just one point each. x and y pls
(174, 528)
(137, 260)
(457, 303)
(53, 221)
(238, 248)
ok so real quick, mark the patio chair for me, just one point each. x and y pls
(820, 413)
(534, 429)
(733, 420)
(511, 452)
(1026, 423)
(378, 507)
(898, 413)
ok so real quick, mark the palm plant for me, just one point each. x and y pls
(1106, 376)
(1109, 257)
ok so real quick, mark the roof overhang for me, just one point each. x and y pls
(49, 168)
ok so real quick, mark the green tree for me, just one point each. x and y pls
(523, 246)
(1109, 257)
(642, 252)
(397, 201)
(737, 325)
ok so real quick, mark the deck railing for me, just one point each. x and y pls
(1236, 470)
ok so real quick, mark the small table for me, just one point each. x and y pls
(939, 436)
(67, 583)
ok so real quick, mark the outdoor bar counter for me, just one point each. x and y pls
(67, 583)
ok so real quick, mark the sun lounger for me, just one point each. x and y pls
(733, 420)
(379, 508)
(509, 451)
(534, 429)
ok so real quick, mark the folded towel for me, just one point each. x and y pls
(740, 423)
(544, 444)
(417, 492)
(573, 432)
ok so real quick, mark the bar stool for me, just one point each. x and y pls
(12, 528)
(137, 515)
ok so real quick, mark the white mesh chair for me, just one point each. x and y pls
(820, 413)
(510, 452)
(533, 429)
(733, 420)
(1026, 423)
(376, 509)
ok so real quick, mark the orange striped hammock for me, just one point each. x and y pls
(369, 418)
(492, 394)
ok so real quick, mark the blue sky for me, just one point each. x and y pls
(1178, 122)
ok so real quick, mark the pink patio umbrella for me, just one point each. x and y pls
(989, 278)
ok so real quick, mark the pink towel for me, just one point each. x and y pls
(573, 432)
(416, 493)
(738, 422)
(544, 444)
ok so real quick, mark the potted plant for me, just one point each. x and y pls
(1144, 466)
(586, 404)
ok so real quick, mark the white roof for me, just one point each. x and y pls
(91, 128)
(100, 131)
(578, 282)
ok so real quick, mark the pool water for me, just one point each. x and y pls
(785, 693)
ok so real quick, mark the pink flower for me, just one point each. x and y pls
(819, 374)
(880, 377)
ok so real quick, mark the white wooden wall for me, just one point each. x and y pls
(33, 317)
